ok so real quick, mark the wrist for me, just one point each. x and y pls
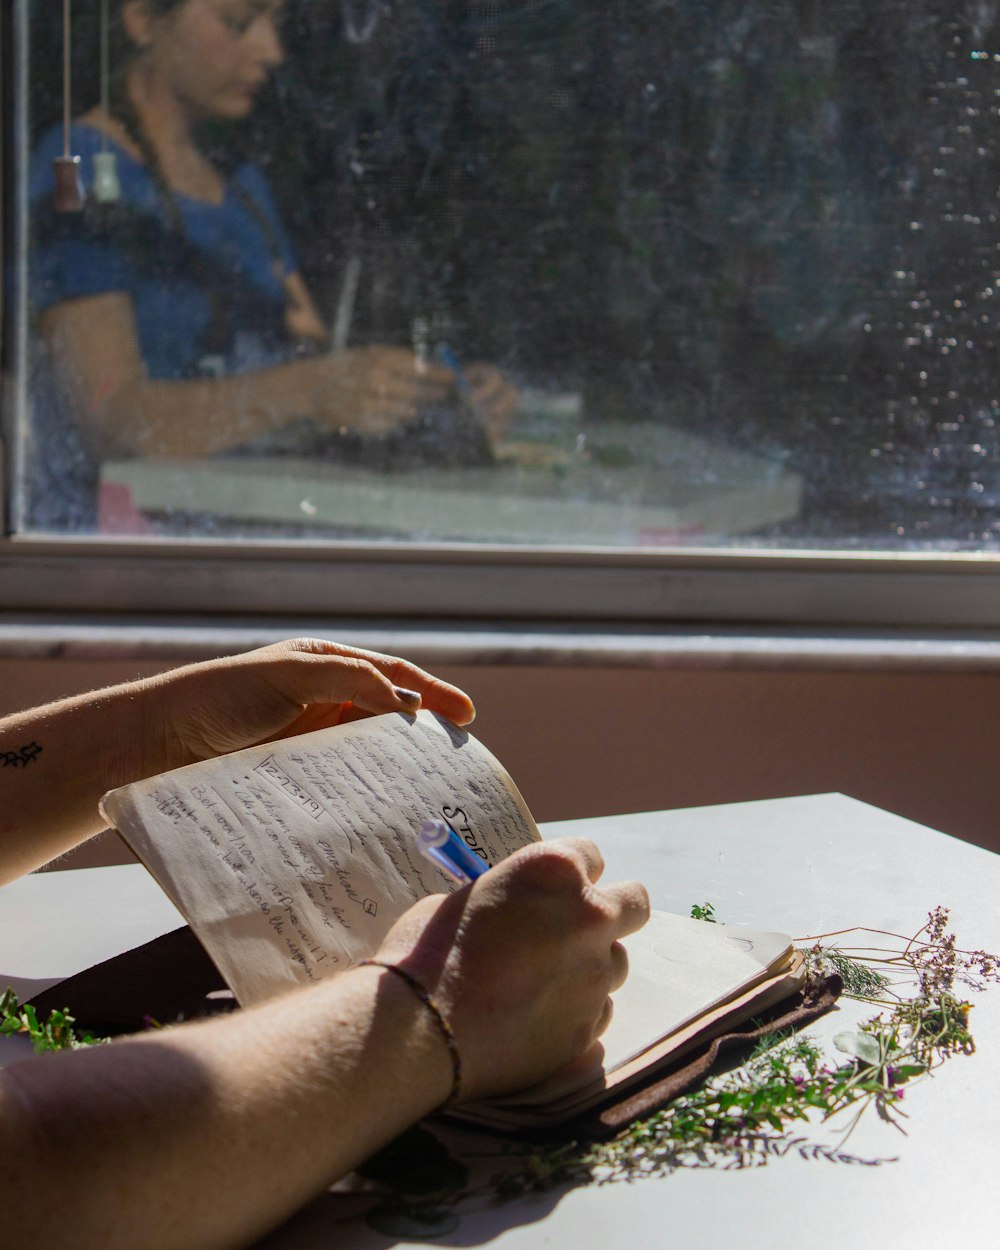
(423, 1058)
(434, 1012)
(150, 743)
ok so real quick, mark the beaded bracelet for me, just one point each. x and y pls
(439, 1020)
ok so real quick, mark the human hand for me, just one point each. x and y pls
(522, 962)
(290, 688)
(374, 390)
(493, 398)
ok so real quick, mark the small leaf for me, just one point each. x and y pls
(861, 1045)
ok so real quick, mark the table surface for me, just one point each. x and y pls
(673, 485)
(802, 865)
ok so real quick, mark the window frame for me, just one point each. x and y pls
(697, 589)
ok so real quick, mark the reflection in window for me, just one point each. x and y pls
(557, 271)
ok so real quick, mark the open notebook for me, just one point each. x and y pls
(292, 860)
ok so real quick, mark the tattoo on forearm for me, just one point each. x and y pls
(20, 758)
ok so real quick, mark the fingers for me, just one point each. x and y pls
(390, 385)
(605, 1018)
(328, 672)
(289, 688)
(434, 378)
(396, 383)
(632, 901)
(384, 418)
(619, 967)
(493, 397)
(575, 863)
(490, 389)
(584, 852)
(435, 694)
(376, 389)
(440, 696)
(629, 900)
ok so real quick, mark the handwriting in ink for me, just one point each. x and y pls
(22, 757)
(454, 815)
(277, 776)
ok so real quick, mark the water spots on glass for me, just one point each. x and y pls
(765, 227)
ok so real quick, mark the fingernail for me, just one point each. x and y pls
(406, 696)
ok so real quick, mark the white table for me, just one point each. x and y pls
(677, 486)
(804, 865)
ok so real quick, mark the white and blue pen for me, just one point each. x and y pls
(440, 844)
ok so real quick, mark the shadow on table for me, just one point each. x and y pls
(339, 1219)
(27, 987)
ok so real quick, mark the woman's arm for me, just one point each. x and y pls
(96, 351)
(56, 762)
(209, 1134)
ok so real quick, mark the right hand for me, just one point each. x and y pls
(522, 962)
(374, 390)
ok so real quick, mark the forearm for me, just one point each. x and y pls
(210, 1134)
(369, 389)
(202, 416)
(57, 761)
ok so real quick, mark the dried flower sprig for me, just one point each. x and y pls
(745, 1118)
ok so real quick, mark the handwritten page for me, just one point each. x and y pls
(292, 860)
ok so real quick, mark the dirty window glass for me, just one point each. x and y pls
(645, 274)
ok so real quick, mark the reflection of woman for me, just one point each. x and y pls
(174, 322)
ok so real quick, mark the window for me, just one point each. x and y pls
(544, 308)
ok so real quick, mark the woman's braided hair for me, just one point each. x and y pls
(225, 158)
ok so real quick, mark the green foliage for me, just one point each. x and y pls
(744, 1118)
(860, 980)
(759, 1112)
(54, 1033)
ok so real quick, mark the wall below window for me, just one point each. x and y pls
(596, 741)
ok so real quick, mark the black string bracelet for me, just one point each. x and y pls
(439, 1020)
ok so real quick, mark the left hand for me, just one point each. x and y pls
(493, 399)
(290, 688)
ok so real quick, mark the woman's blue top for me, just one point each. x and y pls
(209, 299)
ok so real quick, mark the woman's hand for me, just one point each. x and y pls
(91, 743)
(493, 398)
(374, 390)
(290, 688)
(522, 962)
